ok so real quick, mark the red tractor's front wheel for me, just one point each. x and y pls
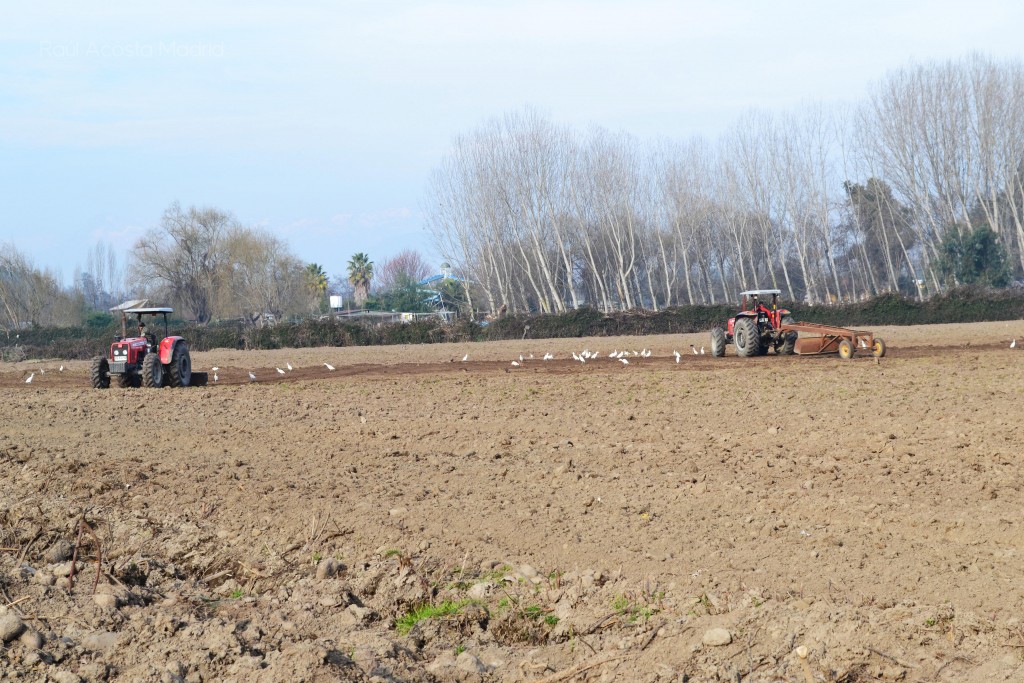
(717, 342)
(788, 340)
(99, 373)
(152, 371)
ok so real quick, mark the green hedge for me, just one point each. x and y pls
(957, 306)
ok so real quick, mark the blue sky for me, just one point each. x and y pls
(321, 121)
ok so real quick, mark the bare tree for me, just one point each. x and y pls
(28, 295)
(263, 280)
(185, 256)
(407, 266)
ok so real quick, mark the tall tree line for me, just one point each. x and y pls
(826, 204)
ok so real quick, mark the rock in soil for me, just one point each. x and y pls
(716, 637)
(11, 626)
(469, 662)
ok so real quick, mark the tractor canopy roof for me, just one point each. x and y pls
(760, 292)
(149, 311)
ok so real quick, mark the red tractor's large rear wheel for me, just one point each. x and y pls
(152, 371)
(746, 338)
(181, 366)
(99, 373)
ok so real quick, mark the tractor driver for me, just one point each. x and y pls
(150, 340)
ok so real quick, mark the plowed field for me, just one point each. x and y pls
(411, 516)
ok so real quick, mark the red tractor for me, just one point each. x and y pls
(140, 361)
(757, 327)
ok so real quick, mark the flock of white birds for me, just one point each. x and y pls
(253, 378)
(587, 355)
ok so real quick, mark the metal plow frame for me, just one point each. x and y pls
(829, 338)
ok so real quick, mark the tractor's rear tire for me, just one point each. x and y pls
(878, 348)
(746, 338)
(846, 349)
(789, 340)
(181, 366)
(152, 371)
(99, 373)
(717, 342)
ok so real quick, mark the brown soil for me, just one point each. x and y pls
(579, 521)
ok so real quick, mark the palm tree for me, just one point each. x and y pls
(360, 272)
(316, 282)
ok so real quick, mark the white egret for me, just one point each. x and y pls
(252, 377)
(624, 361)
(289, 366)
(515, 363)
(1013, 344)
(29, 380)
(329, 366)
(677, 355)
(279, 371)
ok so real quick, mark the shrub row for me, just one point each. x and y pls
(957, 306)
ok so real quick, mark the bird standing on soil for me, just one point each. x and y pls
(548, 356)
(702, 350)
(465, 358)
(252, 377)
(624, 361)
(215, 378)
(279, 371)
(694, 349)
(1013, 344)
(215, 368)
(60, 369)
(677, 355)
(289, 366)
(29, 380)
(515, 363)
(329, 366)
